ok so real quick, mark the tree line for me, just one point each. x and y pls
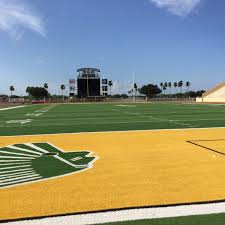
(37, 93)
(165, 85)
(153, 90)
(148, 90)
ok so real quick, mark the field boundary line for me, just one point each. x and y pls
(14, 107)
(119, 215)
(113, 131)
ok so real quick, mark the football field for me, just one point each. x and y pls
(161, 163)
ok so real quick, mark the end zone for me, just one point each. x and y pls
(145, 171)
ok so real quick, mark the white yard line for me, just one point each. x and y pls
(126, 106)
(156, 119)
(128, 215)
(38, 113)
(15, 107)
(45, 109)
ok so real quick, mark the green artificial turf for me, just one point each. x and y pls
(71, 118)
(213, 219)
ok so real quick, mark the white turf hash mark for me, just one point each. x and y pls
(33, 114)
(19, 121)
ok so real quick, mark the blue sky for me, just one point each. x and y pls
(160, 40)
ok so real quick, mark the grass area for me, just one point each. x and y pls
(215, 219)
(66, 118)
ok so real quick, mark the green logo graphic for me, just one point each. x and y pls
(24, 163)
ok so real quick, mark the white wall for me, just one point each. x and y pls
(216, 96)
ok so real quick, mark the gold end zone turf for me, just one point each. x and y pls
(134, 169)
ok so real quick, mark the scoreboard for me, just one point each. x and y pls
(88, 88)
(89, 83)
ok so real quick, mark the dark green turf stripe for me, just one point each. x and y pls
(72, 118)
(214, 219)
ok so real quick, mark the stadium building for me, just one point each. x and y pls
(214, 95)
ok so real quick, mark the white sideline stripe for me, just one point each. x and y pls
(12, 171)
(15, 107)
(22, 180)
(36, 147)
(128, 215)
(15, 153)
(24, 150)
(16, 174)
(11, 178)
(13, 167)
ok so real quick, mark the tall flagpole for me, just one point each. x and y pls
(87, 86)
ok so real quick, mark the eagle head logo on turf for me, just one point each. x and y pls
(24, 163)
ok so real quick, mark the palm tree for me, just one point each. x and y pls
(11, 88)
(164, 88)
(166, 85)
(110, 87)
(175, 86)
(28, 90)
(45, 86)
(62, 87)
(188, 84)
(180, 85)
(170, 85)
(135, 89)
(161, 85)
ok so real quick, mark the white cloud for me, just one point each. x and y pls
(16, 15)
(177, 7)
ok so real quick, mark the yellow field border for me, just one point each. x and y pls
(136, 169)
